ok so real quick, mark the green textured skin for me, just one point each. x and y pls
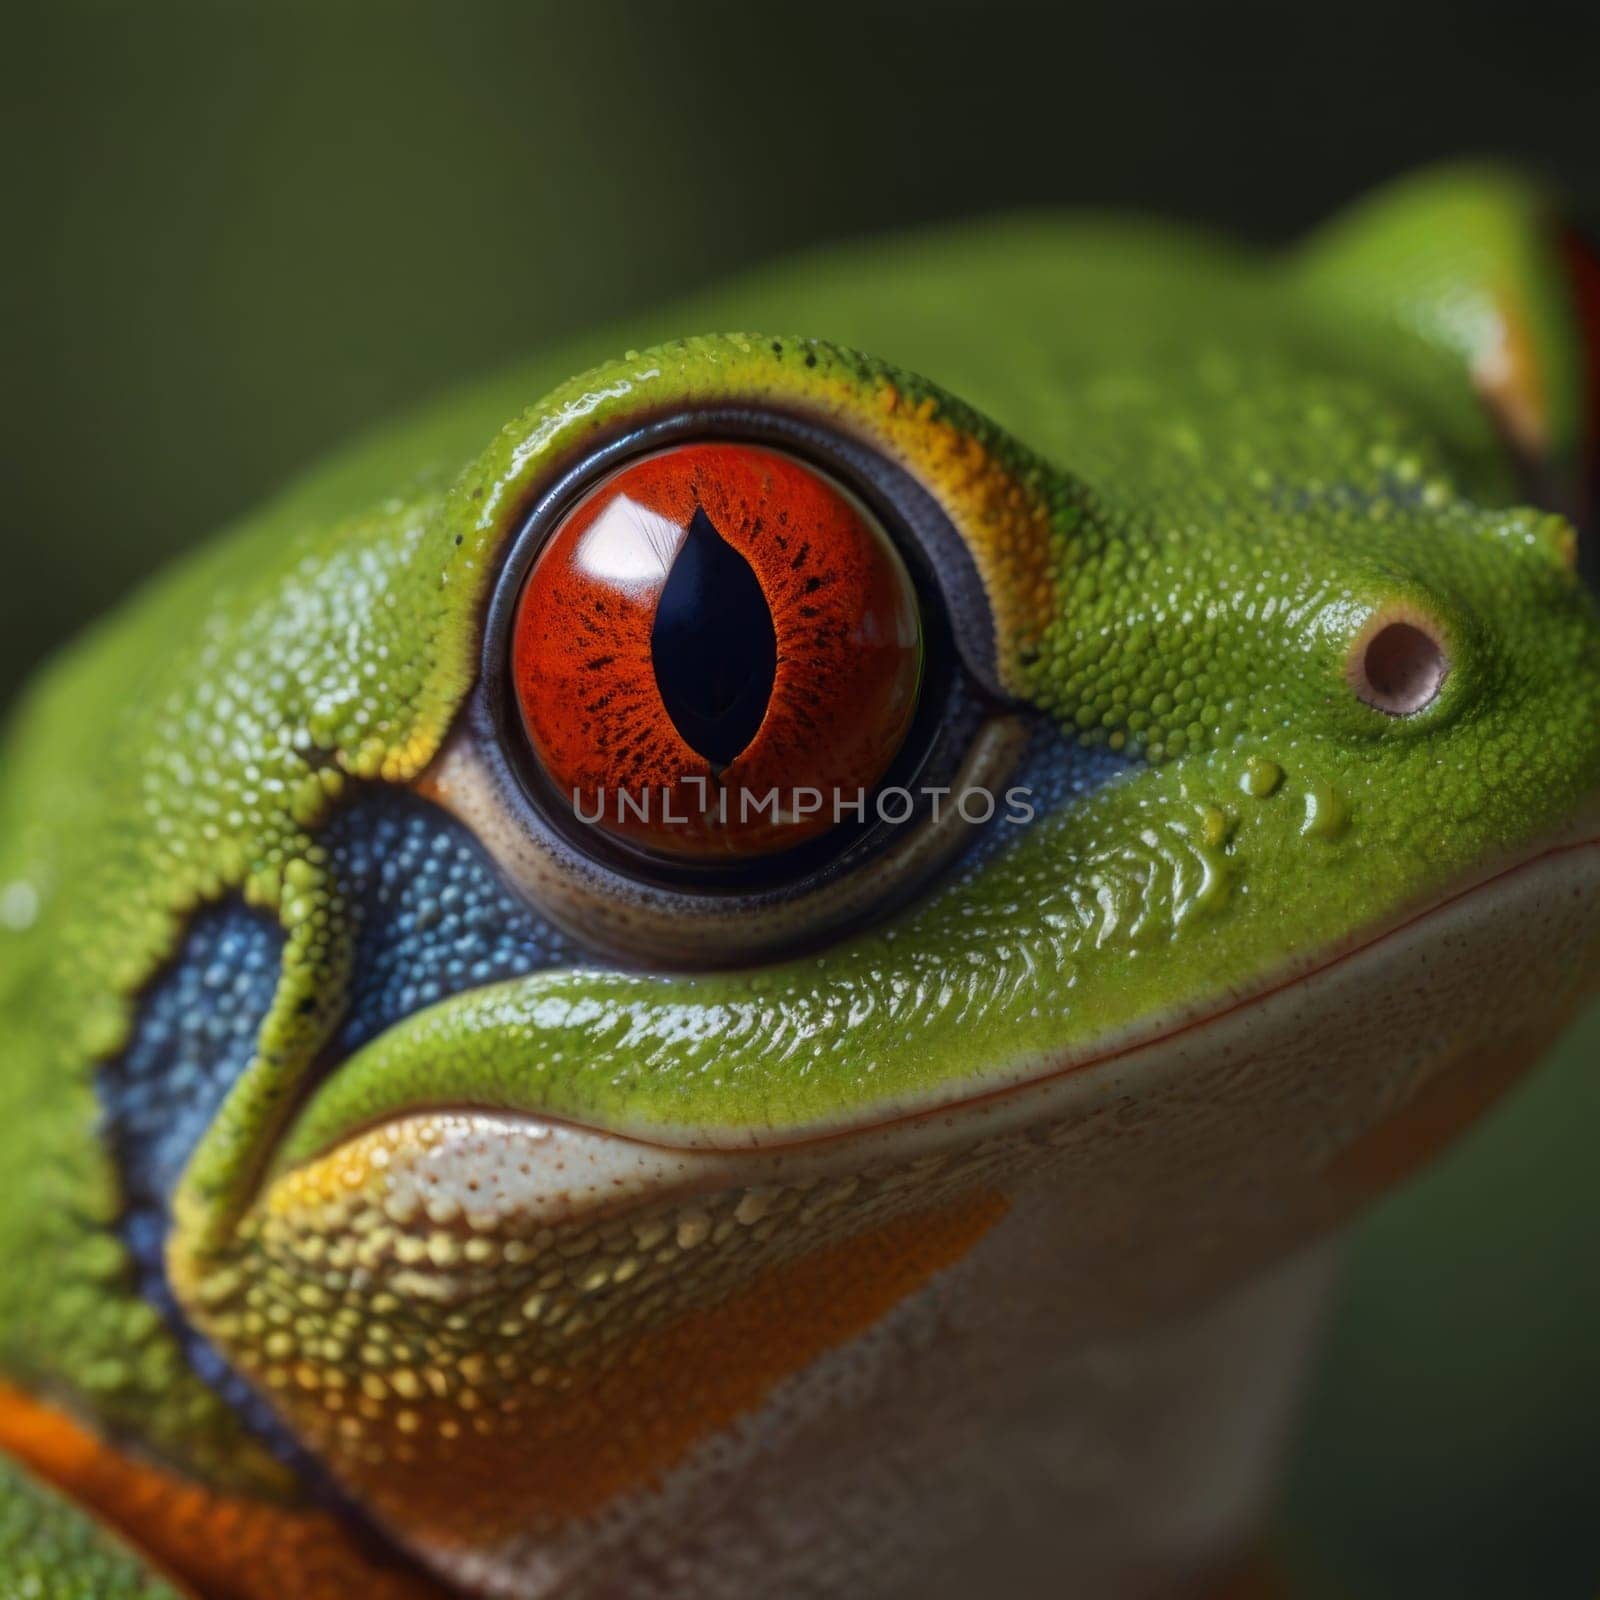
(1238, 460)
(50, 1550)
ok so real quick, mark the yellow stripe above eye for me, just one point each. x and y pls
(1004, 520)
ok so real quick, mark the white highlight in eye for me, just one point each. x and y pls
(629, 545)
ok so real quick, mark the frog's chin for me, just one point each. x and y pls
(509, 1338)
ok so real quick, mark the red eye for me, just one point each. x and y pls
(717, 652)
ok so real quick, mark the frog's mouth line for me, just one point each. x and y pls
(1319, 966)
(1536, 879)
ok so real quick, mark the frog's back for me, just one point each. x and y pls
(1035, 318)
(1008, 308)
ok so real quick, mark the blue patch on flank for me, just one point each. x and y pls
(1055, 771)
(194, 1037)
(432, 918)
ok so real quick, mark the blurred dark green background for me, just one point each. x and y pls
(238, 232)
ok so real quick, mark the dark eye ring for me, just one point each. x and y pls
(940, 724)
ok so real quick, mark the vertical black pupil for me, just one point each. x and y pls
(713, 645)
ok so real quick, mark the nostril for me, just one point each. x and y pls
(1398, 667)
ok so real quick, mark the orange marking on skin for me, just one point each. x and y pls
(1508, 376)
(1005, 523)
(575, 1443)
(221, 1546)
(1455, 1099)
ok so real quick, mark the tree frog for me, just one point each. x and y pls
(763, 963)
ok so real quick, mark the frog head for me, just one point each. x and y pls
(1095, 815)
